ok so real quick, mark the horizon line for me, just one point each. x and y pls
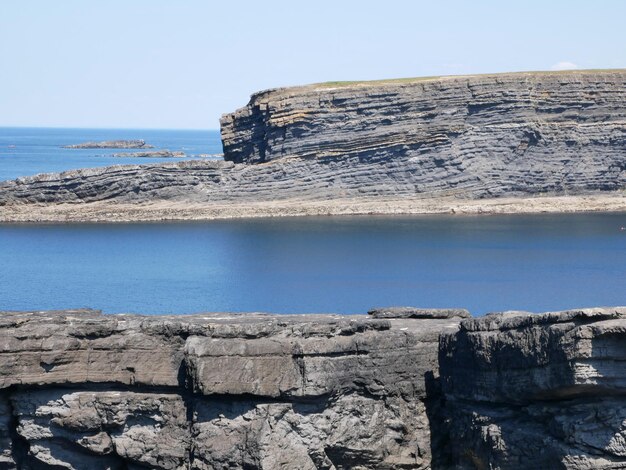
(2, 126)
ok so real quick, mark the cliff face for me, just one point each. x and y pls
(537, 391)
(390, 145)
(81, 390)
(476, 135)
(398, 389)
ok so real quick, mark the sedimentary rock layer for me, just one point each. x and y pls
(537, 391)
(390, 146)
(402, 388)
(82, 390)
(478, 135)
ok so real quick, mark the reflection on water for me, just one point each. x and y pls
(333, 264)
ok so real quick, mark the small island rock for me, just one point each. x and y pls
(112, 144)
(152, 154)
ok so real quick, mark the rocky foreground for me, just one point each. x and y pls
(396, 389)
(407, 146)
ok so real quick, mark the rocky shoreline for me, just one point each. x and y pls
(151, 154)
(104, 212)
(401, 388)
(550, 141)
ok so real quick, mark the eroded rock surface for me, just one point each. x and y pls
(82, 390)
(537, 391)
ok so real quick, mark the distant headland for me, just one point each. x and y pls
(514, 142)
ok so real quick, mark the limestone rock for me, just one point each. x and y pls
(537, 390)
(465, 138)
(412, 312)
(474, 136)
(82, 390)
(103, 429)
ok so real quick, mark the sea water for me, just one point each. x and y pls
(318, 264)
(28, 151)
(294, 265)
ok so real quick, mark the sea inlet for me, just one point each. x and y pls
(318, 264)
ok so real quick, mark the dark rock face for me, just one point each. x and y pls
(475, 135)
(537, 391)
(81, 390)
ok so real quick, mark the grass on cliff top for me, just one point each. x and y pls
(334, 84)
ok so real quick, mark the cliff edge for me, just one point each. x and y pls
(82, 390)
(400, 388)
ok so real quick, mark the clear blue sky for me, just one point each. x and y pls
(181, 64)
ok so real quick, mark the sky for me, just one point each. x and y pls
(181, 64)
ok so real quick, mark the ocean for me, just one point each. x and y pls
(295, 265)
(28, 151)
(318, 264)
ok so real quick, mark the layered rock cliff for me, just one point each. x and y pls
(537, 391)
(457, 138)
(81, 390)
(398, 389)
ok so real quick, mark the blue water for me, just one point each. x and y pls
(345, 264)
(28, 151)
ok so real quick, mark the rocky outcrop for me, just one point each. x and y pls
(537, 391)
(477, 136)
(412, 312)
(402, 388)
(153, 154)
(81, 390)
(112, 144)
(382, 148)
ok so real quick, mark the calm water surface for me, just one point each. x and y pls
(28, 151)
(346, 264)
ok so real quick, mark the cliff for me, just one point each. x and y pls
(398, 389)
(477, 135)
(405, 146)
(81, 390)
(537, 391)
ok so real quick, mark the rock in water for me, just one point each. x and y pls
(112, 144)
(412, 312)
(153, 154)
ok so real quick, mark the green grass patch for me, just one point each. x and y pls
(338, 84)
